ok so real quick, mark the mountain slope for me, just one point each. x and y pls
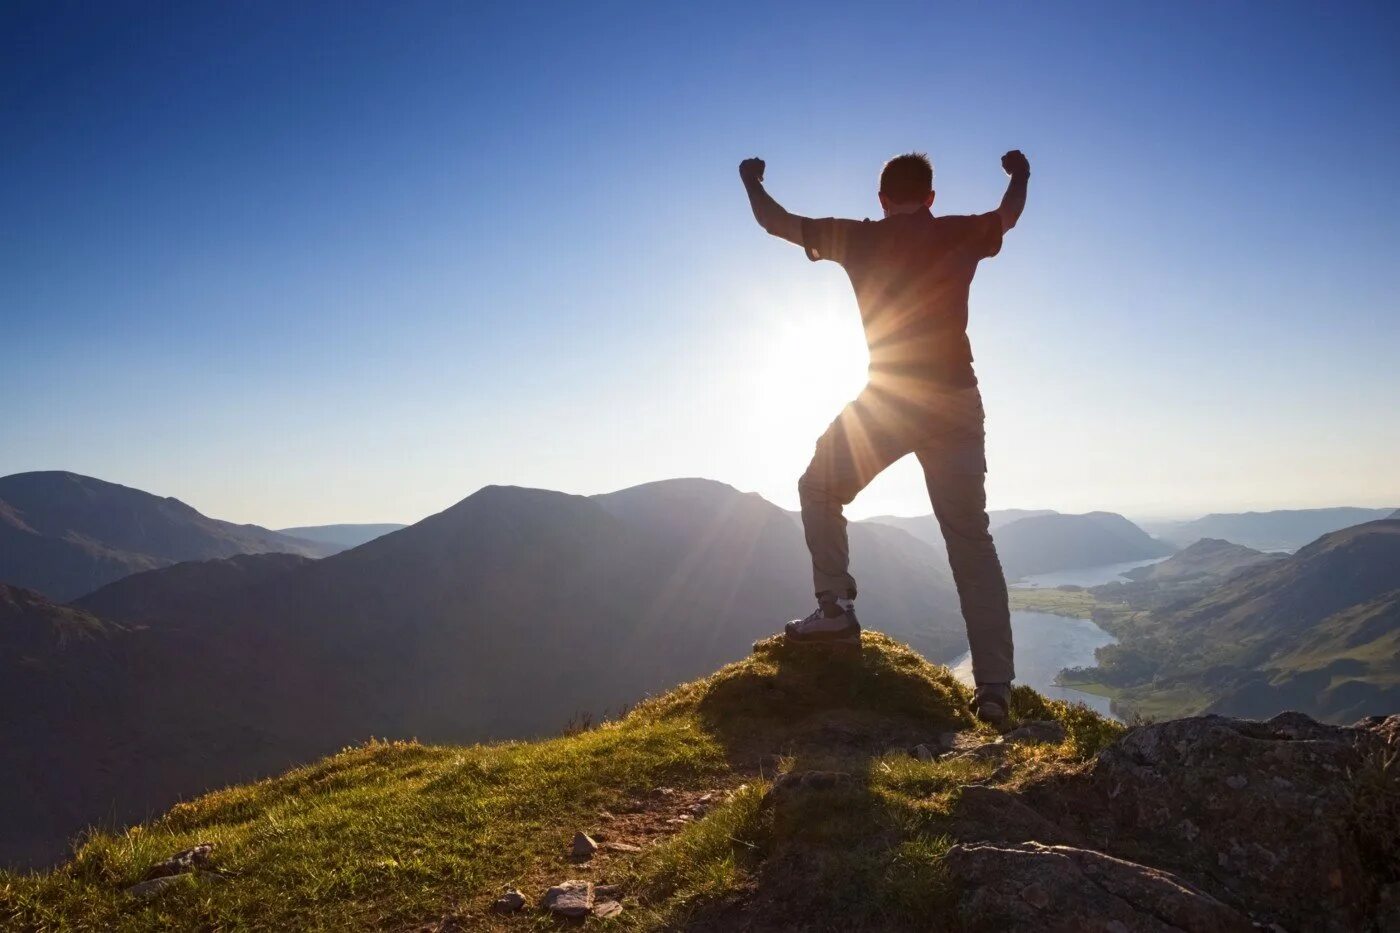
(502, 616)
(341, 536)
(1208, 557)
(702, 828)
(1048, 543)
(1283, 529)
(1315, 631)
(925, 527)
(66, 535)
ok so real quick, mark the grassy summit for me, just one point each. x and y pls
(397, 835)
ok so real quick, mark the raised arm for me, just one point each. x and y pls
(1014, 201)
(769, 213)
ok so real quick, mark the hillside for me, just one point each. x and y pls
(342, 537)
(795, 789)
(1032, 541)
(1282, 529)
(1315, 631)
(66, 535)
(1049, 543)
(925, 527)
(1208, 557)
(501, 617)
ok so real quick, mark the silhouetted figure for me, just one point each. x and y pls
(911, 272)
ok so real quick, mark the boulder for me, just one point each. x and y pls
(1061, 889)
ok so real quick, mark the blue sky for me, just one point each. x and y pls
(299, 263)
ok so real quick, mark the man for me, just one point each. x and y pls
(911, 272)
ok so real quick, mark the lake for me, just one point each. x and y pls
(1046, 643)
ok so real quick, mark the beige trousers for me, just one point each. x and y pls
(945, 430)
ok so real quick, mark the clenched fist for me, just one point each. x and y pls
(751, 171)
(1015, 163)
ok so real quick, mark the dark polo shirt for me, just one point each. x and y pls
(911, 274)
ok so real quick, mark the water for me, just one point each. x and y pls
(1046, 643)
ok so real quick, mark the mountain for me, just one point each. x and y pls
(1208, 557)
(503, 616)
(1317, 631)
(342, 537)
(66, 535)
(888, 810)
(1031, 541)
(1049, 543)
(925, 527)
(1285, 529)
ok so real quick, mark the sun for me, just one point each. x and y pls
(813, 363)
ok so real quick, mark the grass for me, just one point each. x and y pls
(392, 835)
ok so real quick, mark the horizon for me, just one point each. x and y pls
(310, 266)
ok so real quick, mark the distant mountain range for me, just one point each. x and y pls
(341, 536)
(500, 617)
(66, 535)
(1033, 541)
(1317, 631)
(1208, 557)
(1284, 529)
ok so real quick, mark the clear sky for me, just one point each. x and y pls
(301, 263)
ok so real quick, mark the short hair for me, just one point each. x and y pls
(907, 178)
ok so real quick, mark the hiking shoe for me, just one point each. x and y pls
(992, 703)
(822, 628)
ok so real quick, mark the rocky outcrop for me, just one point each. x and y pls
(1265, 817)
(1060, 889)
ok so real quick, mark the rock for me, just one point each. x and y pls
(510, 902)
(807, 781)
(607, 909)
(583, 846)
(995, 815)
(146, 890)
(569, 899)
(1059, 889)
(1164, 795)
(191, 859)
(619, 847)
(982, 752)
(1036, 730)
(925, 754)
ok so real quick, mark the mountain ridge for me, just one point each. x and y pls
(65, 534)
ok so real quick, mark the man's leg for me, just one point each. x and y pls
(954, 465)
(864, 439)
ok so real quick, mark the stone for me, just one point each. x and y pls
(187, 860)
(146, 890)
(1028, 886)
(619, 847)
(569, 899)
(808, 781)
(583, 846)
(948, 740)
(925, 754)
(605, 909)
(1036, 730)
(510, 902)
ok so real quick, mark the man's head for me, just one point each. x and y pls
(906, 183)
